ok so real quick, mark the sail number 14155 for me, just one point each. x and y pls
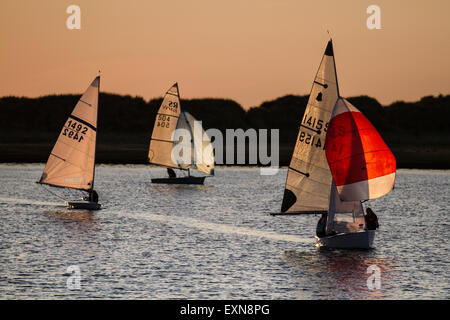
(314, 124)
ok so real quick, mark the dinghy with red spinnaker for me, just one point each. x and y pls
(339, 162)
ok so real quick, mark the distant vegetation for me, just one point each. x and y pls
(417, 132)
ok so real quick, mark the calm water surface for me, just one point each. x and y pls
(215, 241)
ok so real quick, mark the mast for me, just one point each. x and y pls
(331, 52)
(330, 43)
(332, 203)
(95, 148)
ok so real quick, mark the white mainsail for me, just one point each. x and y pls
(202, 154)
(161, 143)
(71, 163)
(308, 181)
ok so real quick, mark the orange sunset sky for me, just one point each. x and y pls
(246, 50)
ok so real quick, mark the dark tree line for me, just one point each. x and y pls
(129, 120)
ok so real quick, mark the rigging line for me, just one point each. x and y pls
(74, 193)
(55, 194)
(74, 165)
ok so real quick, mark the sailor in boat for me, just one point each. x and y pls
(92, 197)
(321, 225)
(371, 219)
(171, 173)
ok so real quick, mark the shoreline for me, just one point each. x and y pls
(221, 166)
(408, 157)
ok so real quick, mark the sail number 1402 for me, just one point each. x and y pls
(75, 130)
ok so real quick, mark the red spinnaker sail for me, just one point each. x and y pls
(362, 165)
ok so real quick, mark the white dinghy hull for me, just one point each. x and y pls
(355, 240)
(86, 205)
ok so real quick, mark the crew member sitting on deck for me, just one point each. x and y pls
(93, 196)
(171, 173)
(371, 219)
(321, 225)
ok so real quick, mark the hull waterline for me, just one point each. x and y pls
(86, 205)
(180, 180)
(355, 240)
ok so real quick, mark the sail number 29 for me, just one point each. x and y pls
(74, 130)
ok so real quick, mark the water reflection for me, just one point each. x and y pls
(85, 218)
(141, 239)
(339, 274)
(180, 187)
(179, 191)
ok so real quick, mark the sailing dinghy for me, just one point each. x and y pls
(169, 118)
(71, 163)
(339, 160)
